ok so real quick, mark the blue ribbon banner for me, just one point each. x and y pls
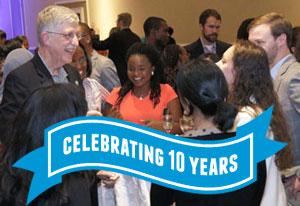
(204, 167)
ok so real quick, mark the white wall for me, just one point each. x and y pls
(183, 15)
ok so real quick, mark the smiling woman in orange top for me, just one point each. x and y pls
(142, 99)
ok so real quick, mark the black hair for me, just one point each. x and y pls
(296, 42)
(86, 29)
(88, 61)
(43, 108)
(171, 54)
(154, 58)
(152, 23)
(208, 13)
(8, 46)
(242, 32)
(170, 31)
(2, 34)
(203, 85)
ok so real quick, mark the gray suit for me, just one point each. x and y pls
(287, 86)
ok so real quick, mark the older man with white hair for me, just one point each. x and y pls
(58, 38)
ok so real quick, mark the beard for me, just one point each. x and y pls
(211, 38)
(272, 53)
(162, 42)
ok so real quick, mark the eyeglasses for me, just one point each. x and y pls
(82, 35)
(68, 36)
(81, 61)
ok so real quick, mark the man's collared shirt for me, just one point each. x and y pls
(104, 71)
(276, 67)
(62, 75)
(209, 48)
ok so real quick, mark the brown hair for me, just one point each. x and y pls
(125, 18)
(253, 82)
(278, 25)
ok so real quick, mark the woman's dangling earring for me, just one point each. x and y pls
(185, 113)
(152, 73)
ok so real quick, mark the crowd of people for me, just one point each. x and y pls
(219, 85)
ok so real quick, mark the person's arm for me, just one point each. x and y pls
(112, 112)
(108, 178)
(175, 110)
(102, 45)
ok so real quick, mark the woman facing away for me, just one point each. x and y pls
(173, 56)
(45, 107)
(141, 100)
(203, 92)
(14, 59)
(246, 69)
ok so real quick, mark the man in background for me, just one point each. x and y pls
(103, 69)
(156, 33)
(210, 24)
(118, 43)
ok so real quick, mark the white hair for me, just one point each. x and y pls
(53, 16)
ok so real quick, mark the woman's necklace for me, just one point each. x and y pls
(142, 96)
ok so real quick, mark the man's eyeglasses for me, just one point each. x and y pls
(68, 36)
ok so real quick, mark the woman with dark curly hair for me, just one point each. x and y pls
(173, 56)
(45, 107)
(141, 100)
(246, 69)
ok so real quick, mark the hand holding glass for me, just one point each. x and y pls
(168, 123)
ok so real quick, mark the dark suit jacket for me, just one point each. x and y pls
(196, 49)
(118, 44)
(22, 82)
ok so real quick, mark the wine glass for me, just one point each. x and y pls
(168, 122)
(186, 123)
